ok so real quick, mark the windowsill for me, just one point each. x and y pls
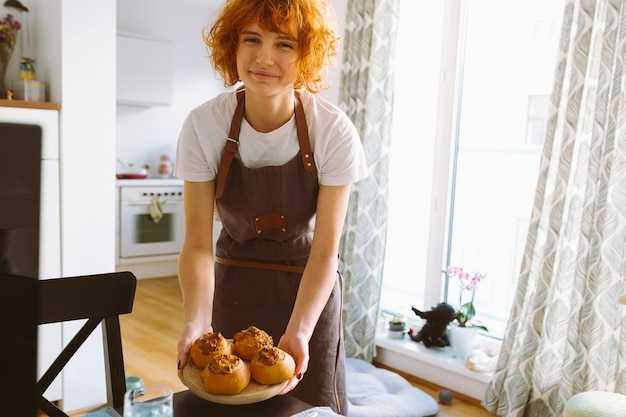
(437, 365)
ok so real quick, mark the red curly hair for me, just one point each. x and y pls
(307, 21)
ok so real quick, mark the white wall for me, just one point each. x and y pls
(74, 44)
(144, 133)
(75, 56)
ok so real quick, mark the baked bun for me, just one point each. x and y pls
(207, 346)
(247, 343)
(272, 365)
(226, 374)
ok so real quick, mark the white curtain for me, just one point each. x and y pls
(366, 94)
(567, 330)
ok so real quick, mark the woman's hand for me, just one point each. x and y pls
(298, 347)
(189, 335)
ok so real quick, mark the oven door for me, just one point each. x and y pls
(142, 234)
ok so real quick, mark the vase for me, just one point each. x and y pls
(3, 73)
(9, 28)
(462, 340)
(5, 57)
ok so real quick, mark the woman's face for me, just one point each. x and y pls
(267, 62)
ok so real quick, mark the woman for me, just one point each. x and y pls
(277, 162)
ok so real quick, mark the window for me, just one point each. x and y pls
(465, 151)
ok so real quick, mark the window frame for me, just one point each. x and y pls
(445, 149)
(447, 125)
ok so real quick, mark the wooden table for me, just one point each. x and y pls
(187, 404)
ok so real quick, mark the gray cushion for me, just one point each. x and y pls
(376, 392)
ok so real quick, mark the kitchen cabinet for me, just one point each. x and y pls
(144, 71)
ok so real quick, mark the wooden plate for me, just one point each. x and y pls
(253, 393)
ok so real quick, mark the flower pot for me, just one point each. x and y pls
(397, 326)
(462, 339)
(396, 329)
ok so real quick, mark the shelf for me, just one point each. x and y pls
(29, 104)
(437, 365)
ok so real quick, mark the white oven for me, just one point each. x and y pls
(151, 221)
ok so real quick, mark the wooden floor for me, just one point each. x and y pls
(150, 335)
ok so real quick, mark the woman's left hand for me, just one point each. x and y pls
(298, 348)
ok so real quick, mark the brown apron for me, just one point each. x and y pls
(268, 215)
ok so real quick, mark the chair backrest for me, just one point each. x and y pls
(18, 333)
(100, 299)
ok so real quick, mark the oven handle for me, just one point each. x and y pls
(147, 203)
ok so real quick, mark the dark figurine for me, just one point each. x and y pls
(433, 332)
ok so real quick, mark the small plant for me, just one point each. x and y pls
(397, 318)
(466, 311)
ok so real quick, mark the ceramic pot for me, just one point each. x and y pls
(462, 339)
(396, 330)
(397, 326)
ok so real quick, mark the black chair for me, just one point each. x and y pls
(18, 332)
(99, 299)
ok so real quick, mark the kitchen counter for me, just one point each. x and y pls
(29, 104)
(149, 182)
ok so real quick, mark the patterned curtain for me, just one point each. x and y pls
(567, 331)
(366, 94)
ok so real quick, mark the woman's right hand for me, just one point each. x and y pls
(189, 335)
(196, 267)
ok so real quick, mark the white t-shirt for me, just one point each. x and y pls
(335, 143)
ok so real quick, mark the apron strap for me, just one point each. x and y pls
(338, 351)
(230, 149)
(303, 137)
